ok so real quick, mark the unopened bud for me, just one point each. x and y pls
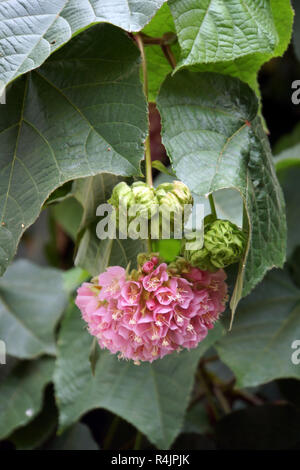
(224, 244)
(172, 199)
(140, 196)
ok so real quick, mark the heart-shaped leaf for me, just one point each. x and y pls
(215, 140)
(82, 113)
(222, 30)
(244, 67)
(32, 30)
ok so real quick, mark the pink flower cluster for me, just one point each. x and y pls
(153, 312)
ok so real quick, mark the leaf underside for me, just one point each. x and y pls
(215, 140)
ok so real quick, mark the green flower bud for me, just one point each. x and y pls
(172, 197)
(167, 200)
(176, 191)
(224, 244)
(121, 195)
(142, 258)
(144, 195)
(200, 259)
(139, 194)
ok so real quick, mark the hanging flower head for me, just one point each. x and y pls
(152, 311)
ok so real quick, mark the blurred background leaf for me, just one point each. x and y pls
(21, 393)
(32, 300)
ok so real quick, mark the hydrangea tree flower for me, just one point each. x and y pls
(152, 312)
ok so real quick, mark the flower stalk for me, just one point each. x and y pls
(148, 159)
(212, 206)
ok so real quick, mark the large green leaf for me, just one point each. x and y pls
(21, 393)
(247, 66)
(244, 67)
(32, 30)
(219, 30)
(82, 113)
(32, 300)
(151, 397)
(258, 349)
(215, 140)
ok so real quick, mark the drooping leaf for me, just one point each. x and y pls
(147, 395)
(158, 165)
(259, 347)
(21, 393)
(215, 140)
(59, 194)
(32, 30)
(82, 113)
(32, 300)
